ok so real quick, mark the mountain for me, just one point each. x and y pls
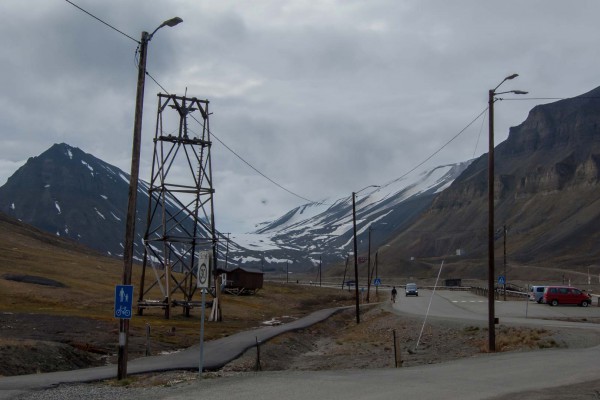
(76, 196)
(323, 232)
(546, 185)
(547, 195)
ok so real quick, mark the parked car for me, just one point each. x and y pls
(555, 295)
(411, 289)
(536, 293)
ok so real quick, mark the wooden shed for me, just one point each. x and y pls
(242, 280)
(456, 282)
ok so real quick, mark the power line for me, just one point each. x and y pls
(442, 147)
(478, 136)
(105, 23)
(254, 168)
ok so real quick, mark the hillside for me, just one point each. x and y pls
(547, 194)
(56, 308)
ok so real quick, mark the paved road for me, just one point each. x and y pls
(468, 306)
(481, 377)
(467, 379)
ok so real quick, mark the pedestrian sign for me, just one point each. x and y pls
(501, 280)
(377, 282)
(123, 301)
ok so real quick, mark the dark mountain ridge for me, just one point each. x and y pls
(547, 194)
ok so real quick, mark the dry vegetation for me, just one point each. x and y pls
(45, 328)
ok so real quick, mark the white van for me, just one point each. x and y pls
(536, 293)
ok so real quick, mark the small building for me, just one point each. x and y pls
(242, 280)
(453, 282)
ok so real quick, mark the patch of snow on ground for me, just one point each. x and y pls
(255, 241)
(88, 166)
(114, 216)
(277, 260)
(99, 213)
(69, 154)
(47, 186)
(104, 197)
(57, 206)
(124, 178)
(12, 206)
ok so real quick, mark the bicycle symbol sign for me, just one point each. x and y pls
(123, 301)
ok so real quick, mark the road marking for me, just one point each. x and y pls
(473, 301)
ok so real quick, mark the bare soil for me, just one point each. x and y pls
(383, 339)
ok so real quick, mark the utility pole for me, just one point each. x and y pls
(376, 275)
(227, 250)
(369, 267)
(133, 188)
(505, 280)
(491, 295)
(320, 270)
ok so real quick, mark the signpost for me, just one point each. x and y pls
(202, 282)
(123, 302)
(123, 305)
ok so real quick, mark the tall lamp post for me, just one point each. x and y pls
(355, 251)
(133, 186)
(491, 298)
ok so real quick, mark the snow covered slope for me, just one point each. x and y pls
(323, 231)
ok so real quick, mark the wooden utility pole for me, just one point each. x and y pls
(131, 205)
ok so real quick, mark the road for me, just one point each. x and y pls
(465, 305)
(482, 377)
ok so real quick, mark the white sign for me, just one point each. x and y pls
(203, 270)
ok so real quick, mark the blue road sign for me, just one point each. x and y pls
(123, 301)
(377, 282)
(501, 280)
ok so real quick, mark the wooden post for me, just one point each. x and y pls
(397, 355)
(257, 366)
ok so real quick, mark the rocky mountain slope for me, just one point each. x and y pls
(74, 195)
(547, 194)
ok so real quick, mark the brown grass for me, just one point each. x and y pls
(90, 280)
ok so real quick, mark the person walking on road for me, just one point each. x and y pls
(394, 294)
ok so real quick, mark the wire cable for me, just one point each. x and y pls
(478, 136)
(441, 148)
(105, 23)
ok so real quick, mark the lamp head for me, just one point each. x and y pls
(172, 22)
(518, 92)
(513, 76)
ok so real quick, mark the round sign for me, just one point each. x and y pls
(203, 274)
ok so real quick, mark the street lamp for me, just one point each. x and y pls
(491, 312)
(355, 251)
(133, 186)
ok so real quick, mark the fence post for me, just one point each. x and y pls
(147, 339)
(257, 366)
(397, 356)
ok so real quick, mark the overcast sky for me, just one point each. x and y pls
(324, 97)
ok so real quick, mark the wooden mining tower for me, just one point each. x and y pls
(180, 222)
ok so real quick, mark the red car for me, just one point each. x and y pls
(555, 295)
